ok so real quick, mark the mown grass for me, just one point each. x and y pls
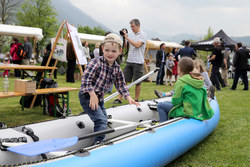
(228, 145)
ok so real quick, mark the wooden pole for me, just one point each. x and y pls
(50, 56)
(145, 64)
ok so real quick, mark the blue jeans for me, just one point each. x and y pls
(163, 109)
(98, 116)
(110, 89)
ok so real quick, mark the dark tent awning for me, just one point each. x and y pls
(207, 45)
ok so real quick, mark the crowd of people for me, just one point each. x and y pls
(19, 54)
(103, 71)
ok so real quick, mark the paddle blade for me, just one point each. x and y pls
(44, 146)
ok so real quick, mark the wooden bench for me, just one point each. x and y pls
(55, 91)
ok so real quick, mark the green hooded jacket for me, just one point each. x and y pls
(190, 99)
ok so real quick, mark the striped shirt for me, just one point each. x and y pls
(99, 76)
(136, 55)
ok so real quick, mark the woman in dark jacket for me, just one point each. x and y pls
(71, 58)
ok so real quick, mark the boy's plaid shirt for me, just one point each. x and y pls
(99, 76)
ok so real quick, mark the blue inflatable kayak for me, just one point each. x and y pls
(157, 148)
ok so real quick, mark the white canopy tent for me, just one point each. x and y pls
(21, 31)
(150, 54)
(92, 39)
(151, 48)
(155, 45)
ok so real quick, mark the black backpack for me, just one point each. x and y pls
(51, 100)
(20, 52)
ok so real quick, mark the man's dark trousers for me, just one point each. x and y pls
(243, 74)
(160, 75)
(216, 77)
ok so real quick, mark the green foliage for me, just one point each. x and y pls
(210, 33)
(5, 49)
(203, 54)
(41, 14)
(88, 30)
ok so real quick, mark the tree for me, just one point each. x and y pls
(86, 29)
(203, 54)
(210, 33)
(41, 14)
(96, 31)
(8, 9)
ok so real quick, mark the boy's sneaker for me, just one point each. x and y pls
(158, 94)
(117, 101)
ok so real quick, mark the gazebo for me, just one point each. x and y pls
(207, 45)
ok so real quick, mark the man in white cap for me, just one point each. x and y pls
(216, 60)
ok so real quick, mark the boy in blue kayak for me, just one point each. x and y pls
(97, 79)
(190, 96)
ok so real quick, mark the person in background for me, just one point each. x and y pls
(216, 60)
(200, 66)
(15, 58)
(6, 60)
(225, 66)
(170, 66)
(190, 97)
(99, 75)
(96, 50)
(175, 71)
(47, 51)
(187, 51)
(240, 62)
(85, 45)
(135, 61)
(28, 49)
(160, 62)
(28, 53)
(71, 58)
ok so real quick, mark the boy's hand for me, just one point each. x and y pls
(131, 101)
(93, 102)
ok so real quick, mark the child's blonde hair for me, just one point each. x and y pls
(186, 66)
(7, 54)
(199, 63)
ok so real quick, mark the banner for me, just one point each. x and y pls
(77, 45)
(60, 49)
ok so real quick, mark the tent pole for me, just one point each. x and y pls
(145, 65)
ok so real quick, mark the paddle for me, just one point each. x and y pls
(45, 146)
(132, 84)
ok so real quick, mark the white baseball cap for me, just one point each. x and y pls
(113, 38)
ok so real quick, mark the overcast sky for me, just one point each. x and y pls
(172, 17)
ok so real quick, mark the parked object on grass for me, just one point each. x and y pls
(150, 145)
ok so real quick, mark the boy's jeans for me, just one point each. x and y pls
(163, 109)
(98, 116)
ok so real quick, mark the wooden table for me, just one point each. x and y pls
(54, 91)
(26, 67)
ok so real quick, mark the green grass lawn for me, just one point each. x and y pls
(228, 145)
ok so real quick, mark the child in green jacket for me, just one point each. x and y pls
(190, 97)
